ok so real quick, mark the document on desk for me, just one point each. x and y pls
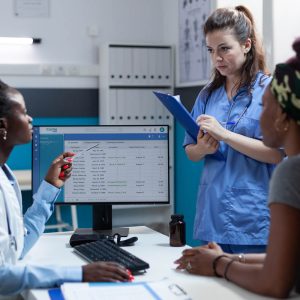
(180, 113)
(158, 290)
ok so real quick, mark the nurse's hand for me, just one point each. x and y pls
(206, 143)
(105, 271)
(60, 169)
(210, 125)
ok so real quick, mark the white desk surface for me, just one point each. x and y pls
(153, 247)
(24, 179)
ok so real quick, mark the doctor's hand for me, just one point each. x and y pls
(199, 260)
(105, 271)
(210, 125)
(60, 169)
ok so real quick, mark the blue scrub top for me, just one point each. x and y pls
(233, 191)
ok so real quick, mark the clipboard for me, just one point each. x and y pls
(180, 113)
(154, 290)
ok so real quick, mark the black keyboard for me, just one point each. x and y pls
(107, 250)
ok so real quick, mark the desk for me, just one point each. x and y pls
(153, 247)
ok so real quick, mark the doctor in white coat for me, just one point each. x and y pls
(17, 233)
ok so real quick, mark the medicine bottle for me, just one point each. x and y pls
(177, 231)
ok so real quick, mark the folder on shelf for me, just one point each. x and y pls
(180, 113)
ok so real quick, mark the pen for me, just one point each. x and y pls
(82, 151)
(70, 159)
(227, 123)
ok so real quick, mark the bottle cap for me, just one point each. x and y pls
(177, 217)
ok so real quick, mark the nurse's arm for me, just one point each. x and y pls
(193, 152)
(253, 148)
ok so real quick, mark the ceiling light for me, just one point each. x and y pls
(19, 40)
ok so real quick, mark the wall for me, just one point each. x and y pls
(42, 72)
(65, 32)
(66, 39)
(286, 27)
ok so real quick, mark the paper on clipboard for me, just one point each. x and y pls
(180, 113)
(157, 290)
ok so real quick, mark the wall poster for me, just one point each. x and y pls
(193, 60)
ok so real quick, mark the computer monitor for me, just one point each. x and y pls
(113, 165)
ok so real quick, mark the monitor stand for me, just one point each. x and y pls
(102, 227)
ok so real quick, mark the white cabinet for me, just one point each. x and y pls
(128, 76)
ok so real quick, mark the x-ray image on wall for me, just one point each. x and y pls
(194, 63)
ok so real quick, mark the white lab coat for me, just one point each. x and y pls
(10, 209)
(16, 279)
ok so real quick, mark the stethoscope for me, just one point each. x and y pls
(243, 91)
(239, 93)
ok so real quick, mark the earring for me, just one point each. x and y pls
(4, 135)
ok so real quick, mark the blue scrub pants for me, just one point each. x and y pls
(234, 249)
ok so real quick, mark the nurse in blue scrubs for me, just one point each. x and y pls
(232, 198)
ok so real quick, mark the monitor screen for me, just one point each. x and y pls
(112, 164)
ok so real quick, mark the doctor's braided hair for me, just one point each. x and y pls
(5, 102)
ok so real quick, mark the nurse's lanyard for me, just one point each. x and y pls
(12, 239)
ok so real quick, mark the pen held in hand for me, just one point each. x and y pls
(71, 159)
(227, 123)
(84, 151)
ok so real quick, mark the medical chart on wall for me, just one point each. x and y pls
(193, 58)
